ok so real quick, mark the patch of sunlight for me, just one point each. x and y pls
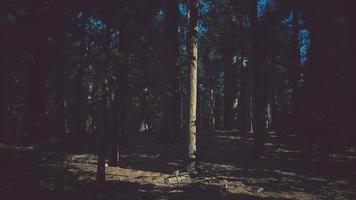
(120, 174)
(342, 181)
(219, 166)
(316, 179)
(269, 144)
(285, 173)
(286, 151)
(175, 191)
(295, 195)
(351, 150)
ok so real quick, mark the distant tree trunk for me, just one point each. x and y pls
(114, 152)
(274, 111)
(211, 108)
(295, 72)
(193, 67)
(318, 96)
(115, 132)
(172, 123)
(350, 81)
(81, 101)
(258, 83)
(121, 95)
(35, 105)
(244, 85)
(123, 83)
(217, 110)
(103, 112)
(4, 93)
(228, 47)
(58, 119)
(244, 101)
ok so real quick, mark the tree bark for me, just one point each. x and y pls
(193, 67)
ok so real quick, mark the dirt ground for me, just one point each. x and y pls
(226, 170)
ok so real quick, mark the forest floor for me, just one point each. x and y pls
(226, 170)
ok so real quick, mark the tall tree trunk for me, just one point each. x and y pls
(172, 123)
(244, 84)
(193, 67)
(115, 146)
(4, 93)
(35, 90)
(123, 84)
(258, 83)
(295, 73)
(350, 81)
(228, 47)
(59, 69)
(114, 152)
(81, 101)
(103, 112)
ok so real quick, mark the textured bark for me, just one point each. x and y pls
(193, 67)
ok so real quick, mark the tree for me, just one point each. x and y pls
(258, 71)
(80, 112)
(103, 109)
(193, 84)
(228, 46)
(349, 85)
(35, 104)
(172, 110)
(60, 35)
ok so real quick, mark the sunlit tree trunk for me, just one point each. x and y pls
(193, 78)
